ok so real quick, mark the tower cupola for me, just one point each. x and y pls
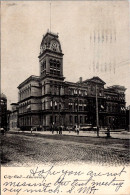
(50, 42)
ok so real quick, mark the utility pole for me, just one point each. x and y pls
(59, 107)
(52, 110)
(97, 116)
(77, 111)
(78, 105)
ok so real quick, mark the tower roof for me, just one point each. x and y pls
(48, 37)
(50, 41)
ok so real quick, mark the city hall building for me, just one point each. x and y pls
(48, 99)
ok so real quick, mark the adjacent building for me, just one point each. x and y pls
(13, 120)
(3, 111)
(48, 99)
(128, 118)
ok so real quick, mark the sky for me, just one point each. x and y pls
(94, 37)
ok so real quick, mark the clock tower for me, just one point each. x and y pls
(51, 57)
(51, 77)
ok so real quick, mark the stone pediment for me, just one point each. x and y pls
(95, 80)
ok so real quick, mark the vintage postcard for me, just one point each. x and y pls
(65, 97)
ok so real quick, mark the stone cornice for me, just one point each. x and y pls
(31, 78)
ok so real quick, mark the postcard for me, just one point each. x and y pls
(65, 97)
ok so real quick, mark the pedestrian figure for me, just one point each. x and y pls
(60, 130)
(31, 129)
(108, 132)
(52, 128)
(97, 131)
(78, 129)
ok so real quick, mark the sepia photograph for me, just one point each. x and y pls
(65, 97)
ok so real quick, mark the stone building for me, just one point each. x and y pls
(116, 106)
(128, 118)
(13, 118)
(49, 99)
(3, 111)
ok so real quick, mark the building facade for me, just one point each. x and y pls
(128, 118)
(13, 118)
(49, 99)
(3, 111)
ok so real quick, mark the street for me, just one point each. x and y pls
(25, 149)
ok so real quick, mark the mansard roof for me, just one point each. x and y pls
(48, 37)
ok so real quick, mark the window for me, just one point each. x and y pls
(85, 92)
(75, 91)
(55, 90)
(51, 104)
(85, 107)
(58, 64)
(59, 106)
(80, 107)
(85, 119)
(100, 93)
(44, 88)
(55, 105)
(51, 119)
(76, 106)
(44, 105)
(55, 119)
(70, 119)
(51, 71)
(81, 119)
(75, 119)
(70, 106)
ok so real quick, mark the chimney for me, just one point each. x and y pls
(80, 79)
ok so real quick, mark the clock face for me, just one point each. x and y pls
(41, 49)
(54, 44)
(44, 46)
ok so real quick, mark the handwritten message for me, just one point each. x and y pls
(50, 180)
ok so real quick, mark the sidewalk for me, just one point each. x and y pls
(118, 135)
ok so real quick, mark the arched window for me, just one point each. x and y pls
(70, 104)
(79, 92)
(51, 104)
(55, 105)
(80, 105)
(58, 64)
